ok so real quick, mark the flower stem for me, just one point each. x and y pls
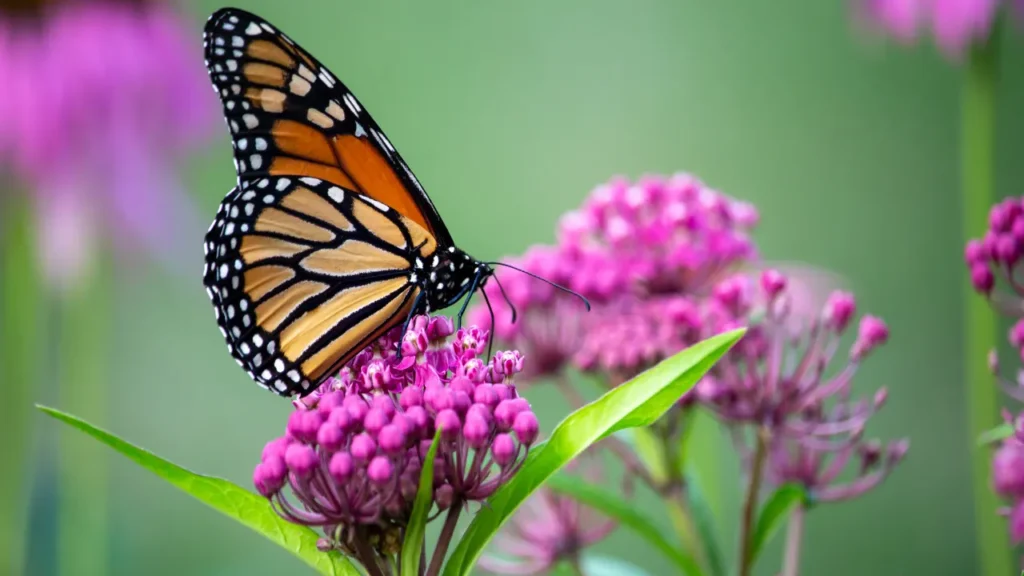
(750, 503)
(978, 194)
(85, 313)
(674, 494)
(366, 555)
(682, 520)
(20, 345)
(574, 565)
(447, 531)
(794, 538)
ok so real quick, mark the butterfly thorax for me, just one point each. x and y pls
(446, 276)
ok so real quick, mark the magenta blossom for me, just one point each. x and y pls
(955, 24)
(635, 250)
(817, 466)
(1008, 481)
(103, 97)
(774, 373)
(994, 259)
(548, 529)
(775, 380)
(353, 450)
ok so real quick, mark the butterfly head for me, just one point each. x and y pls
(449, 275)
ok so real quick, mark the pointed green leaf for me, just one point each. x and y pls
(417, 528)
(626, 513)
(704, 519)
(775, 510)
(638, 402)
(648, 449)
(249, 509)
(997, 434)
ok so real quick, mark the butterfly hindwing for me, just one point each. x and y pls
(289, 115)
(303, 274)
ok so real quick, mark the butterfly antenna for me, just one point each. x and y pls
(490, 337)
(507, 300)
(546, 281)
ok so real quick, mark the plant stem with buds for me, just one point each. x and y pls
(977, 154)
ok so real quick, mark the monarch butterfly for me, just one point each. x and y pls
(328, 240)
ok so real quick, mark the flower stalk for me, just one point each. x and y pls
(20, 340)
(84, 372)
(750, 500)
(977, 150)
(447, 531)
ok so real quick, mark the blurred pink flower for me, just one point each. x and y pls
(640, 251)
(101, 99)
(956, 24)
(549, 529)
(647, 254)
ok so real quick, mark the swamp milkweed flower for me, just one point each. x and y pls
(956, 24)
(350, 459)
(640, 251)
(549, 529)
(101, 98)
(994, 261)
(784, 383)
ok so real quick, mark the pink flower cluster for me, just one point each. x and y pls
(638, 251)
(353, 450)
(774, 372)
(1008, 481)
(994, 261)
(997, 256)
(775, 379)
(101, 98)
(550, 528)
(956, 24)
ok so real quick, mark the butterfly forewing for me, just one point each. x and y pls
(289, 115)
(303, 274)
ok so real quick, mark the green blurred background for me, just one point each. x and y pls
(510, 112)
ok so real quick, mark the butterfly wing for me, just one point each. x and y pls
(289, 115)
(304, 274)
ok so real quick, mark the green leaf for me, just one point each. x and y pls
(648, 449)
(626, 513)
(997, 434)
(246, 507)
(704, 519)
(786, 498)
(593, 565)
(638, 402)
(417, 528)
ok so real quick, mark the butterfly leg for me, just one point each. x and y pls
(472, 290)
(408, 319)
(507, 300)
(490, 336)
